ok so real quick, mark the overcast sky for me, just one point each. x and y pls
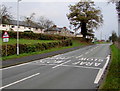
(56, 11)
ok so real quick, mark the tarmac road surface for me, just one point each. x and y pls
(79, 69)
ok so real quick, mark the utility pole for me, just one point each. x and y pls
(105, 37)
(101, 34)
(18, 26)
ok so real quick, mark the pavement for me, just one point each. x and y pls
(79, 69)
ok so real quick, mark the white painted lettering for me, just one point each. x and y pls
(100, 60)
(76, 63)
(95, 59)
(83, 63)
(82, 58)
(97, 64)
(89, 63)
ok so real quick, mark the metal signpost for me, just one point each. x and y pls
(5, 39)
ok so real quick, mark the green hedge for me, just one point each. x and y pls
(24, 48)
(35, 36)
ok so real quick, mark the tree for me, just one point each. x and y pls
(118, 9)
(113, 37)
(45, 23)
(119, 39)
(30, 20)
(84, 15)
(5, 15)
(117, 6)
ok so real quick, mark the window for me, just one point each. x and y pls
(12, 26)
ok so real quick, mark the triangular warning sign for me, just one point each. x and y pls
(5, 35)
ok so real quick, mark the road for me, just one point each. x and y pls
(79, 69)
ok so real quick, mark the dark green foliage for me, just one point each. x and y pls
(86, 16)
(114, 37)
(24, 48)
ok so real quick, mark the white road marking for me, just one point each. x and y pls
(61, 64)
(72, 66)
(42, 60)
(79, 56)
(81, 67)
(16, 66)
(76, 63)
(19, 81)
(101, 71)
(86, 52)
(97, 64)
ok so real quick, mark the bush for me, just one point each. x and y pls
(35, 36)
(27, 48)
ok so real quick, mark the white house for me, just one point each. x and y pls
(23, 26)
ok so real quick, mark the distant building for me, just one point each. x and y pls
(79, 35)
(59, 31)
(88, 36)
(23, 26)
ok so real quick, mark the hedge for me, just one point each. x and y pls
(27, 48)
(35, 36)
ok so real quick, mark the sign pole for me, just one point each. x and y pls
(6, 49)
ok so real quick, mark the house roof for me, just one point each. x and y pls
(23, 23)
(53, 29)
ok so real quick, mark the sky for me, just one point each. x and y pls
(57, 10)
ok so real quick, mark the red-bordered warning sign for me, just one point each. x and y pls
(5, 35)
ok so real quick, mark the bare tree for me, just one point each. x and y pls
(30, 20)
(5, 15)
(44, 22)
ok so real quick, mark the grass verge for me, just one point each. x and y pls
(112, 80)
(75, 44)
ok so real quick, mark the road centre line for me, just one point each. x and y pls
(61, 64)
(19, 81)
(101, 71)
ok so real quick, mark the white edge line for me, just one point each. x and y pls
(24, 64)
(61, 64)
(15, 66)
(101, 71)
(19, 81)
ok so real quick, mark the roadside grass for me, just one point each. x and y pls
(112, 80)
(75, 44)
(27, 41)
